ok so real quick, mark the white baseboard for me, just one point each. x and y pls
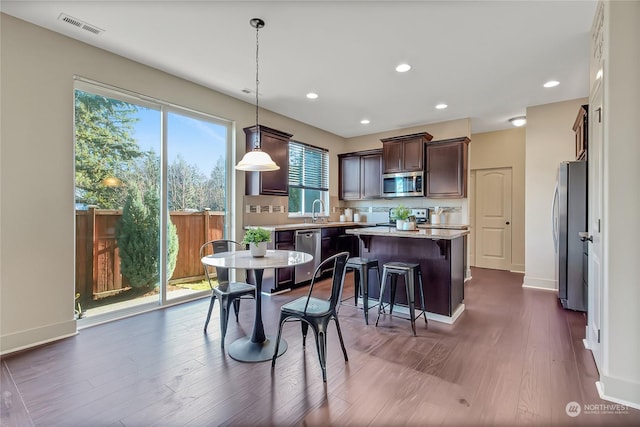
(449, 320)
(600, 386)
(34, 337)
(538, 283)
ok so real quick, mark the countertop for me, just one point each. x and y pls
(306, 226)
(422, 233)
(445, 226)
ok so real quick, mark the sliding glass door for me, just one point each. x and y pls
(150, 187)
(195, 192)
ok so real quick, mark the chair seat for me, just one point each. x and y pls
(315, 307)
(357, 261)
(401, 265)
(234, 288)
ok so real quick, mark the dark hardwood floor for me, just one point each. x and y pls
(514, 357)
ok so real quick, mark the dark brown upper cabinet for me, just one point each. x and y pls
(360, 175)
(446, 169)
(404, 153)
(276, 144)
(581, 128)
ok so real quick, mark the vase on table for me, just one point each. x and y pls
(400, 224)
(258, 249)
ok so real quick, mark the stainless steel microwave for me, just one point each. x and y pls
(404, 184)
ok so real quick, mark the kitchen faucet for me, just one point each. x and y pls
(314, 215)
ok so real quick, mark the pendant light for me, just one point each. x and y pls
(256, 159)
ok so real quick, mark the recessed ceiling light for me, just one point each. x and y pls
(403, 68)
(518, 121)
(551, 83)
(365, 121)
(441, 106)
(312, 95)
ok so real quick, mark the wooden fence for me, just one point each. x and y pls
(98, 263)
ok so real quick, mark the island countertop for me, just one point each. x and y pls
(421, 233)
(304, 226)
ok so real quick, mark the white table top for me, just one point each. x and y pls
(244, 260)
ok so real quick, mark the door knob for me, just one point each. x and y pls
(584, 236)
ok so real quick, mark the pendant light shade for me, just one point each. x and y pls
(257, 160)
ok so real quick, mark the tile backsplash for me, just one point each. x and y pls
(271, 210)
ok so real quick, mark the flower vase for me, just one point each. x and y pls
(400, 224)
(258, 249)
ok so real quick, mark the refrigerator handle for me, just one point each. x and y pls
(554, 217)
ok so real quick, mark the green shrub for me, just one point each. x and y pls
(138, 236)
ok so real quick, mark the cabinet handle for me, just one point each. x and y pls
(507, 223)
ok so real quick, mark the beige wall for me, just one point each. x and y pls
(442, 130)
(36, 175)
(506, 149)
(549, 141)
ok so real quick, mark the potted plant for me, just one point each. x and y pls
(402, 215)
(257, 239)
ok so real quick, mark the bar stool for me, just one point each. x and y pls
(361, 267)
(409, 271)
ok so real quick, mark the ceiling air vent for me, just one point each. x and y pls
(80, 24)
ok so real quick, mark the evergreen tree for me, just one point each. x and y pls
(216, 187)
(104, 147)
(139, 240)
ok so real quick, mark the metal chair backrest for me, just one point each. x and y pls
(216, 247)
(339, 262)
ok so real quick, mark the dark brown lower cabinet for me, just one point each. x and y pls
(334, 240)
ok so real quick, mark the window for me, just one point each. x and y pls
(308, 177)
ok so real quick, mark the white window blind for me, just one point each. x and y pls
(308, 166)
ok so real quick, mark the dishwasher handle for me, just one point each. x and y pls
(307, 233)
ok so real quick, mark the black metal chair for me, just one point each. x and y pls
(316, 312)
(227, 292)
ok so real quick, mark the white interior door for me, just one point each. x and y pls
(595, 282)
(493, 218)
(471, 238)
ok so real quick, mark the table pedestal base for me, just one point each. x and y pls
(244, 350)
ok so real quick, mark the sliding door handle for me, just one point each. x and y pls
(584, 236)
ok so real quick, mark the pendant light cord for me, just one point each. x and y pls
(258, 142)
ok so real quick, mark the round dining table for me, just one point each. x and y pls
(258, 347)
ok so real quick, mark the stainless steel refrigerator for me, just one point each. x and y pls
(570, 218)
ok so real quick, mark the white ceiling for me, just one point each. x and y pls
(486, 59)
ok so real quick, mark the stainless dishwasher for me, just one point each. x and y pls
(307, 241)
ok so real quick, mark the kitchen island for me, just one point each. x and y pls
(441, 255)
